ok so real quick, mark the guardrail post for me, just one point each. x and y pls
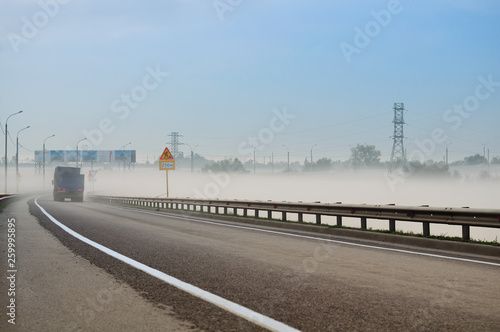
(339, 220)
(426, 229)
(301, 217)
(283, 216)
(392, 225)
(363, 223)
(225, 209)
(269, 214)
(466, 232)
(245, 212)
(318, 219)
(256, 213)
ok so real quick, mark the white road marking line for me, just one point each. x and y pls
(315, 238)
(248, 314)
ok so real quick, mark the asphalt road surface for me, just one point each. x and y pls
(304, 282)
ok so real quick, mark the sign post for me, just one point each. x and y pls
(92, 179)
(166, 163)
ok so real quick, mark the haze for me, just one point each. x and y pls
(256, 80)
(369, 186)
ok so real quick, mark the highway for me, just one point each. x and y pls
(297, 281)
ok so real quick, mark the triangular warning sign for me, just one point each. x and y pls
(166, 155)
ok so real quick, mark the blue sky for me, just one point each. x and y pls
(220, 72)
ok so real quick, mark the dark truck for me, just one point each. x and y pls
(68, 183)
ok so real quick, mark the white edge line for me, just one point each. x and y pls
(317, 238)
(248, 314)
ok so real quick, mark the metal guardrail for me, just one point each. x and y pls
(426, 215)
(4, 199)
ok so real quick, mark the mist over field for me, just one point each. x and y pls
(347, 186)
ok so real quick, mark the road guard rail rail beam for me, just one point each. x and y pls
(424, 214)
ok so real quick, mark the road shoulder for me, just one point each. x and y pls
(57, 290)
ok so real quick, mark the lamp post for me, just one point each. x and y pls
(312, 156)
(192, 156)
(83, 139)
(123, 153)
(447, 153)
(254, 158)
(17, 158)
(6, 147)
(272, 161)
(43, 159)
(288, 158)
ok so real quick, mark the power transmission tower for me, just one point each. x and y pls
(174, 143)
(398, 156)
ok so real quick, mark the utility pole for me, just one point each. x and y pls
(447, 153)
(288, 159)
(312, 156)
(192, 156)
(272, 162)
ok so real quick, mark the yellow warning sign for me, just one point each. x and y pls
(166, 155)
(167, 165)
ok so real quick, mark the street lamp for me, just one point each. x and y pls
(6, 147)
(123, 152)
(288, 158)
(123, 147)
(192, 155)
(447, 145)
(17, 158)
(254, 158)
(83, 139)
(43, 158)
(312, 156)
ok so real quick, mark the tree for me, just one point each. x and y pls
(433, 169)
(364, 155)
(226, 165)
(323, 164)
(476, 159)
